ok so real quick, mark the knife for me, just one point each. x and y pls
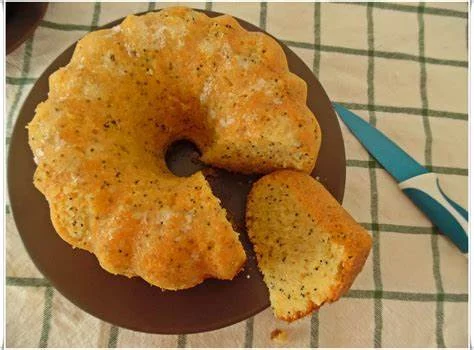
(420, 185)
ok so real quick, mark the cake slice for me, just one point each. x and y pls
(308, 247)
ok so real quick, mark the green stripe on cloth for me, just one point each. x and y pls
(151, 6)
(428, 10)
(455, 298)
(444, 114)
(404, 110)
(356, 163)
(182, 340)
(428, 160)
(7, 209)
(113, 336)
(405, 296)
(96, 14)
(248, 342)
(27, 282)
(65, 26)
(375, 53)
(449, 170)
(453, 63)
(423, 92)
(47, 311)
(263, 15)
(208, 5)
(20, 81)
(373, 185)
(439, 287)
(24, 72)
(314, 339)
(317, 37)
(401, 228)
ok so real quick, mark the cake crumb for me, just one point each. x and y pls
(279, 336)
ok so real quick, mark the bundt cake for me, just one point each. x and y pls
(100, 138)
(308, 248)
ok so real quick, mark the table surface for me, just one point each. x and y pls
(404, 68)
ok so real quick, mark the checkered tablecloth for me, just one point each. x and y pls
(403, 67)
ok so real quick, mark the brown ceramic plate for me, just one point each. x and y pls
(21, 21)
(132, 303)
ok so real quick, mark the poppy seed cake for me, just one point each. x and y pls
(308, 247)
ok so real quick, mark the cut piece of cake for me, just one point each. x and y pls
(308, 247)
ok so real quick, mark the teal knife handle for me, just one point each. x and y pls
(450, 218)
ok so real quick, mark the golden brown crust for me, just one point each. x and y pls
(302, 195)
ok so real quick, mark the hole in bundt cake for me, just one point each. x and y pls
(183, 158)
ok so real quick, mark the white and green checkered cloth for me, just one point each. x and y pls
(403, 67)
